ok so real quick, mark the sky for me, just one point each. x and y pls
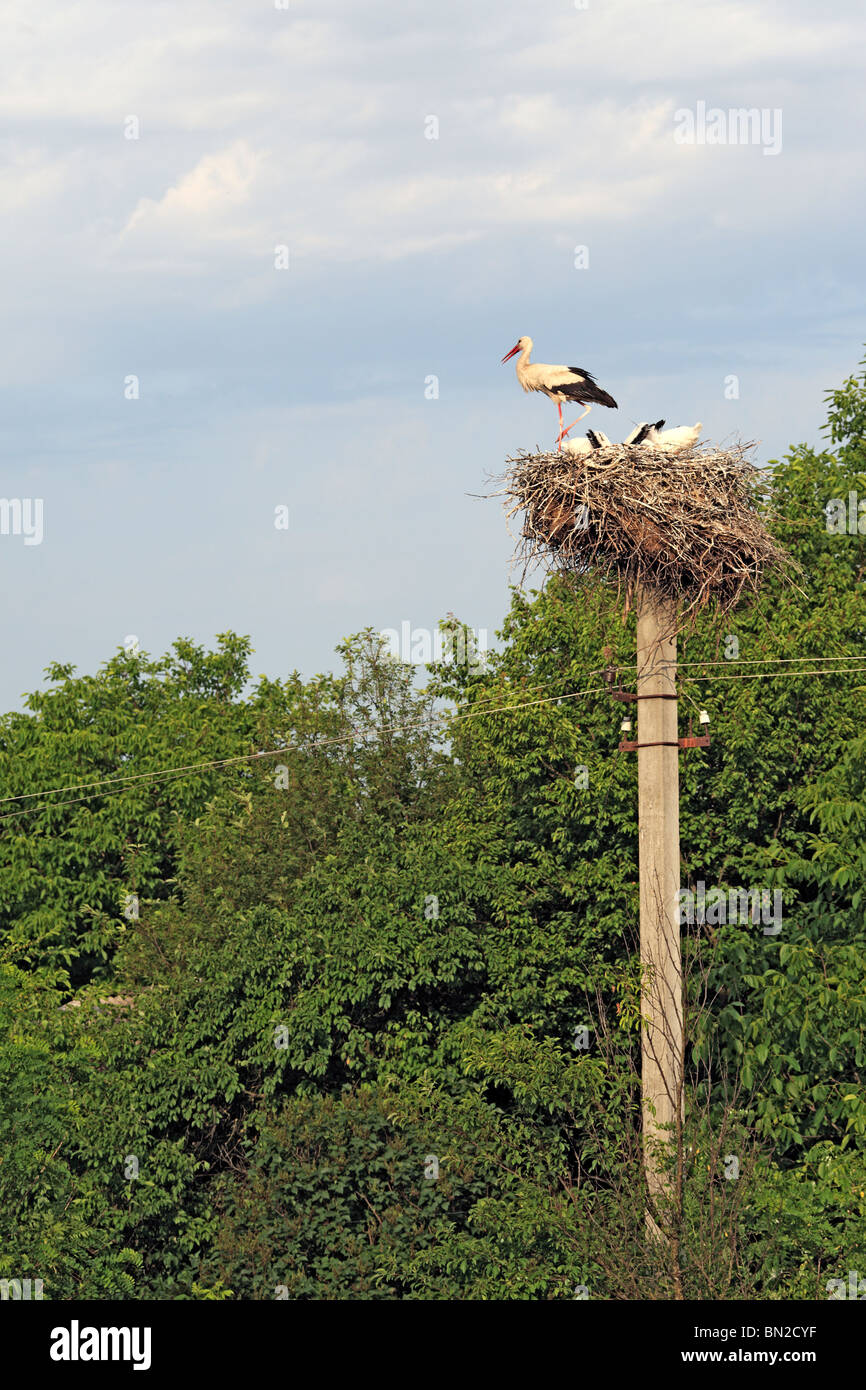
(261, 261)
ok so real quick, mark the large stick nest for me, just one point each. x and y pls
(691, 525)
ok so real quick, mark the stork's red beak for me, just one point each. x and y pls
(516, 348)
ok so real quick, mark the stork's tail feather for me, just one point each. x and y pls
(590, 394)
(587, 391)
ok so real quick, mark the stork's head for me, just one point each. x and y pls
(522, 345)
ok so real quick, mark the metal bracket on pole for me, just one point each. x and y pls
(690, 741)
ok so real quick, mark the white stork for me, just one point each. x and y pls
(595, 439)
(675, 441)
(641, 433)
(598, 439)
(579, 446)
(559, 383)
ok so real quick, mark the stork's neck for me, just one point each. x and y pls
(522, 363)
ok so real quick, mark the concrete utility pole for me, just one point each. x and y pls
(659, 858)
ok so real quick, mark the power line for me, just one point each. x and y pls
(160, 774)
(772, 660)
(781, 675)
(121, 782)
(750, 661)
(273, 752)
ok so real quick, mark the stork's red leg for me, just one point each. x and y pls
(573, 423)
(559, 440)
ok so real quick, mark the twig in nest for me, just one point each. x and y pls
(691, 526)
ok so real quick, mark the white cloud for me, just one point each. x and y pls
(210, 202)
(261, 126)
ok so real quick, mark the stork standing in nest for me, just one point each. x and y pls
(559, 383)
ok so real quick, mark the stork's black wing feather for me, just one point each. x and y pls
(587, 390)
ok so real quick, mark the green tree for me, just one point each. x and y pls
(398, 948)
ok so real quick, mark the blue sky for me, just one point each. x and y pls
(306, 127)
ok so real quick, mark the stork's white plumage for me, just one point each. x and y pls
(559, 383)
(675, 441)
(641, 433)
(595, 439)
(579, 446)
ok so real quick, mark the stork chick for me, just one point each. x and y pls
(579, 446)
(595, 439)
(675, 441)
(641, 433)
